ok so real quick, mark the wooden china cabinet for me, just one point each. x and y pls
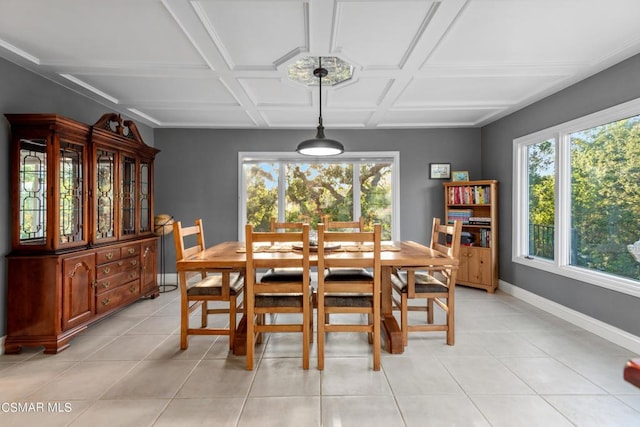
(81, 226)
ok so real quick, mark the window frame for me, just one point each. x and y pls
(562, 223)
(355, 156)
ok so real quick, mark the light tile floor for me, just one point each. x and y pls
(512, 365)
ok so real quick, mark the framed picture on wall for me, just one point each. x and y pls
(439, 170)
(460, 176)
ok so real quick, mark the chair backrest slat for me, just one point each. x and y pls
(342, 225)
(301, 238)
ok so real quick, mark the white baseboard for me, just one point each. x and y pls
(603, 330)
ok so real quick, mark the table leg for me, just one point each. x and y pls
(240, 339)
(390, 327)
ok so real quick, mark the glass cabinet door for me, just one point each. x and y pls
(32, 203)
(104, 195)
(128, 197)
(72, 193)
(145, 197)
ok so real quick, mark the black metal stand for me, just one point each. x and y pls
(163, 286)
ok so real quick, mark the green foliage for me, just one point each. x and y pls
(605, 176)
(605, 194)
(316, 189)
(262, 199)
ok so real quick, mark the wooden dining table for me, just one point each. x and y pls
(231, 255)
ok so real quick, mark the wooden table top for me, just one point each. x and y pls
(232, 255)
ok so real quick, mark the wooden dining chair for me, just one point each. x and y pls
(435, 285)
(355, 293)
(343, 226)
(198, 288)
(283, 274)
(330, 225)
(264, 296)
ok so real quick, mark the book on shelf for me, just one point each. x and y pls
(485, 237)
(459, 215)
(480, 220)
(469, 195)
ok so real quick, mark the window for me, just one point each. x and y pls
(290, 187)
(577, 198)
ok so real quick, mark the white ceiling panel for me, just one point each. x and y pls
(482, 90)
(223, 63)
(367, 93)
(437, 117)
(379, 34)
(96, 32)
(272, 92)
(308, 119)
(539, 32)
(255, 34)
(214, 118)
(146, 89)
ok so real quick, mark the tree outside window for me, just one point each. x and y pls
(293, 189)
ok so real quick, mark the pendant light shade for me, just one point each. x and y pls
(320, 145)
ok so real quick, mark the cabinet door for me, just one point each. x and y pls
(30, 206)
(72, 194)
(145, 197)
(463, 268)
(149, 266)
(105, 195)
(128, 197)
(478, 265)
(78, 293)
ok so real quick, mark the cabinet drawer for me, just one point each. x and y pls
(107, 255)
(118, 296)
(130, 250)
(115, 267)
(109, 283)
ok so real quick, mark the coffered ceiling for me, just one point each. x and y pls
(223, 63)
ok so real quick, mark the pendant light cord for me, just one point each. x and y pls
(320, 75)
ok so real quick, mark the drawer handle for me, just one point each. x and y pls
(108, 255)
(106, 302)
(132, 250)
(106, 270)
(106, 285)
(133, 274)
(132, 289)
(134, 262)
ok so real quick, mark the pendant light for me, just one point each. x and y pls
(320, 145)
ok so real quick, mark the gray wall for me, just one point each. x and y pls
(615, 85)
(197, 172)
(24, 92)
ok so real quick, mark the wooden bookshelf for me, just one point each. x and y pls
(475, 203)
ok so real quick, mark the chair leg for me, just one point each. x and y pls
(250, 338)
(429, 310)
(451, 330)
(321, 323)
(376, 333)
(370, 322)
(184, 323)
(404, 319)
(311, 321)
(306, 333)
(261, 321)
(232, 321)
(205, 314)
